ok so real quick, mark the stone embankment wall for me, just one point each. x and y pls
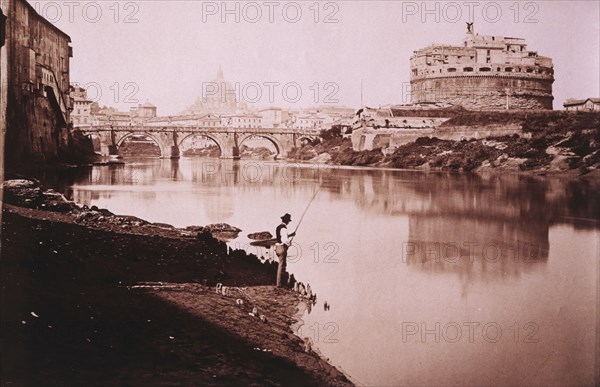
(389, 139)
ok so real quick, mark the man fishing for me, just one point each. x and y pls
(281, 247)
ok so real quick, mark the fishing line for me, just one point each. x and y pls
(306, 209)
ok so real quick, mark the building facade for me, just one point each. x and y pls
(485, 73)
(81, 115)
(143, 111)
(583, 105)
(35, 102)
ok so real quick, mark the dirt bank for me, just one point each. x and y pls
(90, 301)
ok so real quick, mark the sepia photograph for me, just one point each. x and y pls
(299, 193)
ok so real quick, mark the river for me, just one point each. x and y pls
(431, 278)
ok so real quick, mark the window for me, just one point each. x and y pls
(485, 69)
(451, 70)
(467, 69)
(508, 69)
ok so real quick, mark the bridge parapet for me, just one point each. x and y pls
(199, 129)
(170, 137)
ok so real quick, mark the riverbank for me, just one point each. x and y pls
(92, 298)
(551, 143)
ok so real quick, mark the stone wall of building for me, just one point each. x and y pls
(485, 92)
(35, 61)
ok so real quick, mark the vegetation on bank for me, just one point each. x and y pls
(208, 151)
(551, 142)
(139, 148)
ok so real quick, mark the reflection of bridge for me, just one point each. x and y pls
(170, 138)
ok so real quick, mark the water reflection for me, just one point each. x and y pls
(469, 225)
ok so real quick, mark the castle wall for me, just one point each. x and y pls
(485, 92)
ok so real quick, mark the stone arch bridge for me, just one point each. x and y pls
(170, 138)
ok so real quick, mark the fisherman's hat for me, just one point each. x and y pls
(286, 217)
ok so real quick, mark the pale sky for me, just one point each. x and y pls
(163, 51)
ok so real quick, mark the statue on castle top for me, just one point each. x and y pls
(470, 27)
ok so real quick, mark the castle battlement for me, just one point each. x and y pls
(497, 67)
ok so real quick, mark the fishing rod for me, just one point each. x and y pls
(274, 240)
(306, 210)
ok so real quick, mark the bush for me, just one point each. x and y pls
(334, 132)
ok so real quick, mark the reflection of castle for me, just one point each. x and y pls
(475, 246)
(468, 226)
(487, 72)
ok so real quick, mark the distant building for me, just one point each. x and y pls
(246, 120)
(34, 96)
(273, 117)
(485, 73)
(324, 117)
(194, 120)
(81, 115)
(115, 117)
(590, 104)
(86, 113)
(311, 121)
(143, 111)
(333, 110)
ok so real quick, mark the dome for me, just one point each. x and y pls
(218, 96)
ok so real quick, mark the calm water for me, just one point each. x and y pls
(433, 279)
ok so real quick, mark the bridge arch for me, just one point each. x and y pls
(215, 139)
(163, 147)
(278, 146)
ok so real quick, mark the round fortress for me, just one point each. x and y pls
(486, 73)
